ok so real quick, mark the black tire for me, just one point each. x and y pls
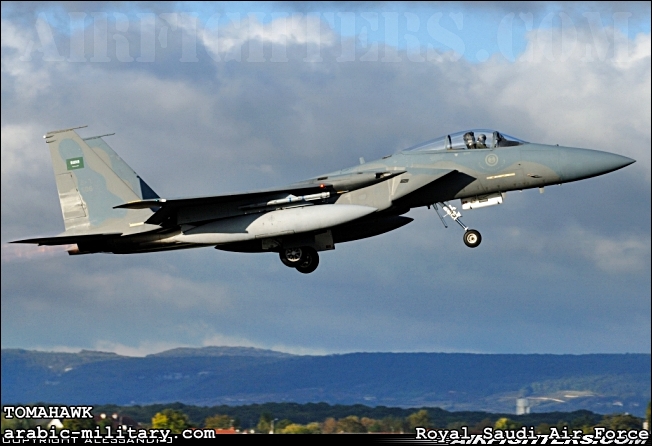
(291, 257)
(309, 261)
(472, 238)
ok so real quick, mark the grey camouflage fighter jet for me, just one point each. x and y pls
(107, 207)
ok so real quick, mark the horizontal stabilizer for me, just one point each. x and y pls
(69, 239)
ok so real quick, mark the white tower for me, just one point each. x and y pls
(522, 406)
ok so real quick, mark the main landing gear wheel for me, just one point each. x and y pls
(291, 257)
(472, 238)
(309, 261)
(304, 259)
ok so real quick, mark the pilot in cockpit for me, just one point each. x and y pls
(481, 144)
(469, 140)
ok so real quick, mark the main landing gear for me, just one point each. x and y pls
(305, 259)
(472, 238)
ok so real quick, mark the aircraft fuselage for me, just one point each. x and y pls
(466, 174)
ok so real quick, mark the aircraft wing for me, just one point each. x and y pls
(200, 209)
(429, 186)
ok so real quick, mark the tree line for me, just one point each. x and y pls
(176, 421)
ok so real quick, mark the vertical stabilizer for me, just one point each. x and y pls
(91, 179)
(122, 169)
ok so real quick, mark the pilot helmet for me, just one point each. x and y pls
(482, 137)
(468, 137)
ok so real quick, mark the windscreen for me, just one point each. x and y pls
(468, 140)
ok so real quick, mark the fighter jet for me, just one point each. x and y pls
(108, 208)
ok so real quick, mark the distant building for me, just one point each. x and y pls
(522, 406)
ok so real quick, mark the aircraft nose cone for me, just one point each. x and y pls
(578, 164)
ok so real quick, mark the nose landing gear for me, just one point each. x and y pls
(472, 238)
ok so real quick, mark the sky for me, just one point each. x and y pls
(214, 98)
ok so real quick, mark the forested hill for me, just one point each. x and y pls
(603, 383)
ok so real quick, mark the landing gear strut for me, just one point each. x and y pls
(305, 259)
(472, 238)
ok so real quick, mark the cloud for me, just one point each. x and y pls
(296, 29)
(27, 79)
(15, 157)
(625, 254)
(149, 287)
(58, 349)
(142, 349)
(614, 254)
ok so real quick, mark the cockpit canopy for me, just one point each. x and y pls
(468, 139)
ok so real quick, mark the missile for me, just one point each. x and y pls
(273, 224)
(289, 199)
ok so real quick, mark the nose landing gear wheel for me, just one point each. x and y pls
(472, 238)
